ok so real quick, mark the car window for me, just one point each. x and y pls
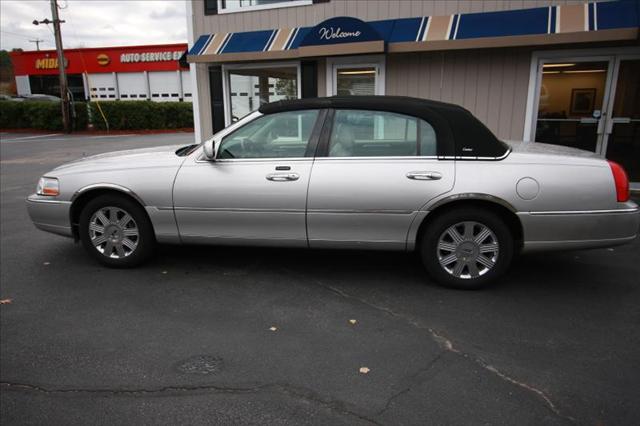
(279, 135)
(359, 133)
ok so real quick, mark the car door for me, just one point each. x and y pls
(255, 190)
(374, 172)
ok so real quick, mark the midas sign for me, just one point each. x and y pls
(49, 63)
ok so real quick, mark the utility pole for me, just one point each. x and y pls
(37, 42)
(64, 92)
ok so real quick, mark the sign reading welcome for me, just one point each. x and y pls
(338, 30)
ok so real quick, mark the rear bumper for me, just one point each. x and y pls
(568, 230)
(50, 215)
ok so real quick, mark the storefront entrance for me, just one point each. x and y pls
(589, 102)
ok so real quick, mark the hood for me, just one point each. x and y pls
(160, 156)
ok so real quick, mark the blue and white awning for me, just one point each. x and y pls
(595, 21)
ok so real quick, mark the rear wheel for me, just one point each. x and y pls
(116, 231)
(467, 248)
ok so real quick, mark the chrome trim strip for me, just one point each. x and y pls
(35, 200)
(372, 211)
(237, 210)
(105, 185)
(470, 196)
(573, 212)
(465, 157)
(383, 158)
(248, 210)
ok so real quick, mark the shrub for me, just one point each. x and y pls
(121, 115)
(132, 115)
(39, 115)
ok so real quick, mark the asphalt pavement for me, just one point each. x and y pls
(214, 335)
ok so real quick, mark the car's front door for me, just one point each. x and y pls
(255, 191)
(377, 170)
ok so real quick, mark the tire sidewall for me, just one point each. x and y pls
(429, 247)
(146, 242)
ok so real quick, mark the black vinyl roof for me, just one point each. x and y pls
(459, 133)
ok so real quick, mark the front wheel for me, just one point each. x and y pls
(116, 231)
(467, 248)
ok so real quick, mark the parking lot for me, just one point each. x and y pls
(214, 335)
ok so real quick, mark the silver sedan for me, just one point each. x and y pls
(355, 172)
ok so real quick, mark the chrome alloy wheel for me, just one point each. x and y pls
(468, 250)
(113, 232)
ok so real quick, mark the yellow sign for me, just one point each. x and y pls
(49, 63)
(103, 60)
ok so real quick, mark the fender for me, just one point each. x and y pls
(105, 185)
(412, 234)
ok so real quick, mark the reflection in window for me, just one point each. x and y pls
(250, 88)
(356, 81)
(570, 103)
(280, 135)
(358, 133)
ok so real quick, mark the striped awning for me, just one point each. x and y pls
(588, 22)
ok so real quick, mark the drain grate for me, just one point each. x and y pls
(201, 364)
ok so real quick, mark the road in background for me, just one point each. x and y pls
(206, 335)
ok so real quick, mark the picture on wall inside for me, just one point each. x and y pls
(582, 101)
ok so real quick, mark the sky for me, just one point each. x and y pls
(93, 23)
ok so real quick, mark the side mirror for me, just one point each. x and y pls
(210, 148)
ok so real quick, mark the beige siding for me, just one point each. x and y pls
(368, 10)
(492, 84)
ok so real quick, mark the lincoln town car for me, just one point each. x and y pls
(358, 172)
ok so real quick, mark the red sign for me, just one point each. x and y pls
(160, 57)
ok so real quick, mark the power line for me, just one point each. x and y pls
(37, 42)
(16, 34)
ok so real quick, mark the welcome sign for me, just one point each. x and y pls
(342, 29)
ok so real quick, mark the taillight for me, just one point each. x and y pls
(621, 180)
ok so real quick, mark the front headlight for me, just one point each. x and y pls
(48, 186)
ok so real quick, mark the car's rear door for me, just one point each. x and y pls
(255, 191)
(373, 172)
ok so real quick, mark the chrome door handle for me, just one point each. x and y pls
(282, 177)
(424, 175)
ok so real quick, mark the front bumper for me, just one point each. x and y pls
(49, 214)
(568, 230)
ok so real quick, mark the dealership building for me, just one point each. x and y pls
(565, 72)
(124, 73)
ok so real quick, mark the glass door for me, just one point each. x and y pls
(623, 126)
(572, 99)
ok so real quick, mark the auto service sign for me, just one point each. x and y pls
(150, 56)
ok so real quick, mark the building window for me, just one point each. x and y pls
(210, 7)
(248, 88)
(230, 6)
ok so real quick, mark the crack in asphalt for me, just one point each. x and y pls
(413, 382)
(334, 405)
(447, 345)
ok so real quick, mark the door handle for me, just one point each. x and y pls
(424, 175)
(282, 177)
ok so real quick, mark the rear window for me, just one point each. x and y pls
(360, 133)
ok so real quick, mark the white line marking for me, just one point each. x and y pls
(32, 137)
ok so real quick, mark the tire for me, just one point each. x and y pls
(123, 242)
(467, 248)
